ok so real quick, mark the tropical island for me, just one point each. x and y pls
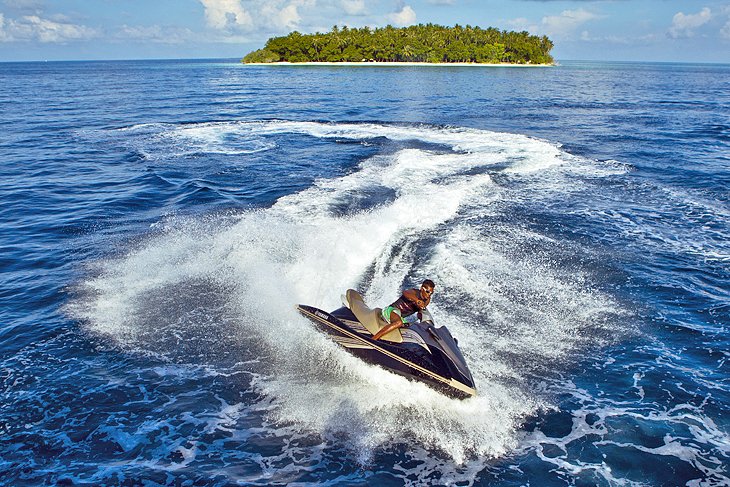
(420, 43)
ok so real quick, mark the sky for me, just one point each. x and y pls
(604, 30)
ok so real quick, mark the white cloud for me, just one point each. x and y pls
(280, 15)
(683, 25)
(612, 39)
(521, 23)
(562, 25)
(406, 16)
(725, 31)
(157, 34)
(25, 6)
(289, 16)
(35, 28)
(226, 14)
(353, 7)
(567, 22)
(257, 15)
(3, 35)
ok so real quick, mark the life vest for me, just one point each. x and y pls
(405, 306)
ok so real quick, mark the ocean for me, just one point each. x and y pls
(162, 219)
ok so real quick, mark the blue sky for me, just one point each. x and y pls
(628, 30)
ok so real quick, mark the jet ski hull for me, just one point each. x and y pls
(419, 357)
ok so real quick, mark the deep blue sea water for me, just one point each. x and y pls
(160, 220)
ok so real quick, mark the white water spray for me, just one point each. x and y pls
(299, 251)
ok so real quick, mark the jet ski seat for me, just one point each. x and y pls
(372, 319)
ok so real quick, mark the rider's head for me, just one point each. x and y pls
(427, 288)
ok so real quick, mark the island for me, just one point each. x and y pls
(422, 43)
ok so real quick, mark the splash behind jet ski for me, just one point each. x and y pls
(420, 351)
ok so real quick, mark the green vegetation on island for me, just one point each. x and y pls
(418, 43)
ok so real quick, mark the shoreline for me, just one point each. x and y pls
(398, 63)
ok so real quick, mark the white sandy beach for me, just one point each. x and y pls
(382, 64)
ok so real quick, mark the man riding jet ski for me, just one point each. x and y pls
(412, 301)
(419, 351)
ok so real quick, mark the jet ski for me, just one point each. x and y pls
(419, 351)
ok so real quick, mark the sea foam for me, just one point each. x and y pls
(511, 313)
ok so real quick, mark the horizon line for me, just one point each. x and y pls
(238, 60)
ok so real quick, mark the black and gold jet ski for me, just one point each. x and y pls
(419, 351)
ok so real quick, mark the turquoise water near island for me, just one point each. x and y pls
(161, 219)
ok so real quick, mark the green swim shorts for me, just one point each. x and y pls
(388, 310)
